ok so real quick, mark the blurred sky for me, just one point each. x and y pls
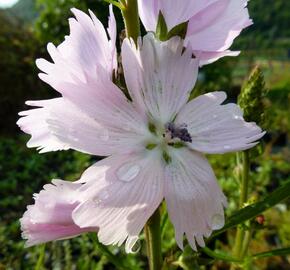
(7, 3)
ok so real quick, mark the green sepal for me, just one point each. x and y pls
(161, 29)
(179, 30)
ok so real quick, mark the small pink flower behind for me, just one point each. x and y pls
(212, 24)
(50, 218)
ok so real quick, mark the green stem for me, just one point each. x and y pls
(153, 241)
(40, 260)
(164, 224)
(245, 178)
(131, 19)
(240, 249)
(246, 242)
(239, 242)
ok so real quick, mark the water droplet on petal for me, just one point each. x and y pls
(217, 222)
(214, 116)
(133, 244)
(227, 147)
(128, 172)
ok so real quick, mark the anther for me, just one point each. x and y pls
(180, 132)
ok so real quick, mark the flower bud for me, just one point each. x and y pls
(251, 98)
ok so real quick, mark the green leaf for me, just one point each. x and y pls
(219, 255)
(270, 253)
(161, 29)
(256, 209)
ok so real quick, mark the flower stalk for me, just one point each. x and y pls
(153, 241)
(251, 101)
(243, 236)
(131, 18)
(245, 178)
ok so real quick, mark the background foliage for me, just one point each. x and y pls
(25, 30)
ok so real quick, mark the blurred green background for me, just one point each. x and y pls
(25, 29)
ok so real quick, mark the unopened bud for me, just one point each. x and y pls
(251, 98)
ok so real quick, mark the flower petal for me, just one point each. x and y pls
(33, 122)
(216, 26)
(83, 51)
(177, 12)
(120, 193)
(59, 125)
(159, 75)
(112, 31)
(148, 12)
(174, 12)
(206, 58)
(194, 200)
(217, 128)
(213, 24)
(50, 218)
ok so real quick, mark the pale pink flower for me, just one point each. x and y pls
(154, 142)
(212, 24)
(50, 218)
(85, 53)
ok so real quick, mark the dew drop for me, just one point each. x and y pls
(128, 172)
(214, 116)
(227, 147)
(217, 222)
(133, 244)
